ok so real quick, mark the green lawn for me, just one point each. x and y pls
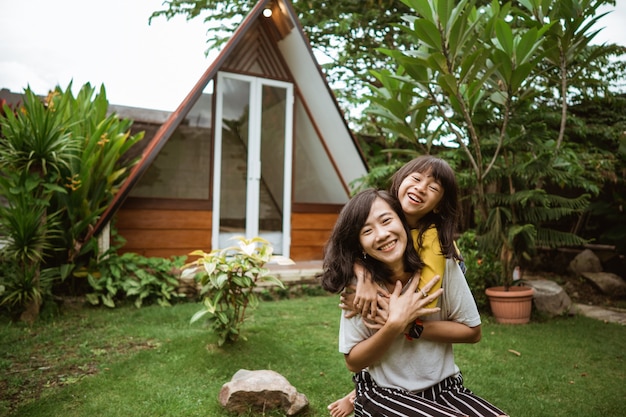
(150, 362)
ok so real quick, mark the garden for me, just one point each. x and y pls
(151, 362)
(527, 111)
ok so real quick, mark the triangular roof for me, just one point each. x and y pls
(285, 29)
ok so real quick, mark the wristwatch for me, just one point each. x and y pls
(416, 330)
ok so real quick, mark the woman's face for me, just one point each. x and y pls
(383, 236)
(419, 194)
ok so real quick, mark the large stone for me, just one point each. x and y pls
(550, 297)
(261, 391)
(585, 261)
(607, 282)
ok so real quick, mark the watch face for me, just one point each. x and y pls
(416, 330)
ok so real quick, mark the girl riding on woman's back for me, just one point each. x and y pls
(428, 193)
(406, 366)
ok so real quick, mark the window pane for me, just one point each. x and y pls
(316, 180)
(182, 168)
(272, 159)
(234, 156)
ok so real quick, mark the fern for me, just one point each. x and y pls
(550, 238)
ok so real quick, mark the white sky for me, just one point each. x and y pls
(44, 43)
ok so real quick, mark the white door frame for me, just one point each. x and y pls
(254, 161)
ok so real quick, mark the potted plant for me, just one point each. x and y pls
(518, 222)
(509, 299)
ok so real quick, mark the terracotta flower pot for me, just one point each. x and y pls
(512, 306)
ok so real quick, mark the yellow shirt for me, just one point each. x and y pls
(434, 261)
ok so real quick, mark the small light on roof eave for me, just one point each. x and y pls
(267, 12)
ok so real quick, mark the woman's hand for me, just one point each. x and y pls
(403, 309)
(406, 307)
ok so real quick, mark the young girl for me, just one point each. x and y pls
(404, 376)
(428, 193)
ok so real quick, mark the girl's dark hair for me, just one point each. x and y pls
(446, 219)
(343, 248)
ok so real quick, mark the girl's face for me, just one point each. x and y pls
(419, 194)
(383, 236)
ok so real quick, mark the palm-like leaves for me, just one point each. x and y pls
(61, 161)
(94, 176)
(35, 139)
(475, 72)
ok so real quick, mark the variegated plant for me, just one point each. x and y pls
(229, 277)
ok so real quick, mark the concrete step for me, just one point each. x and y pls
(302, 272)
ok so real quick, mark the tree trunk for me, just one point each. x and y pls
(31, 313)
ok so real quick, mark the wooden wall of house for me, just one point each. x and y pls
(165, 233)
(309, 233)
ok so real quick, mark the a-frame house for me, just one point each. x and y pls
(259, 147)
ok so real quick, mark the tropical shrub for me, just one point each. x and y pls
(98, 168)
(135, 278)
(483, 268)
(61, 162)
(229, 278)
(495, 81)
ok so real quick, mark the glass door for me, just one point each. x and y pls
(253, 156)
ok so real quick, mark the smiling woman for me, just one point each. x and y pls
(369, 218)
(394, 373)
(384, 238)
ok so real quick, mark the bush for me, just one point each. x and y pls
(229, 278)
(62, 159)
(135, 278)
(482, 268)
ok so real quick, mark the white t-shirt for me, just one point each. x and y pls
(415, 365)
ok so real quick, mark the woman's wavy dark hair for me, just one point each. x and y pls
(343, 248)
(446, 220)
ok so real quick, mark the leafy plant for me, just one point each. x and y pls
(483, 268)
(99, 165)
(23, 287)
(61, 163)
(514, 227)
(134, 277)
(33, 150)
(480, 77)
(229, 278)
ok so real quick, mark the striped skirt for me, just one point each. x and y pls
(449, 398)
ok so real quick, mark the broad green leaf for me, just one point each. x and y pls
(198, 315)
(499, 97)
(504, 36)
(422, 7)
(428, 33)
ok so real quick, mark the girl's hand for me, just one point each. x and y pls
(379, 321)
(346, 301)
(367, 291)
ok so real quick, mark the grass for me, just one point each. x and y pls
(151, 362)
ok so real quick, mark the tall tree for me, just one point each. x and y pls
(488, 77)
